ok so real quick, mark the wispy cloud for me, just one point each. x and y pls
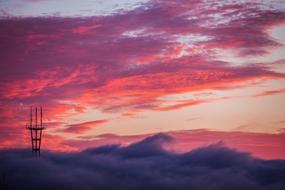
(271, 92)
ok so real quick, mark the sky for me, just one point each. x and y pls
(118, 71)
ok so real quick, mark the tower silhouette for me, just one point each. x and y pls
(36, 128)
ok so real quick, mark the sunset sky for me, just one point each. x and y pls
(116, 71)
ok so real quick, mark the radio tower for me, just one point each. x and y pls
(36, 128)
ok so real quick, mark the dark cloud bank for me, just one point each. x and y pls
(144, 165)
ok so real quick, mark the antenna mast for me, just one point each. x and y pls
(36, 130)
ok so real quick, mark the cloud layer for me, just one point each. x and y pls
(143, 165)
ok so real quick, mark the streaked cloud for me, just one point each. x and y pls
(82, 127)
